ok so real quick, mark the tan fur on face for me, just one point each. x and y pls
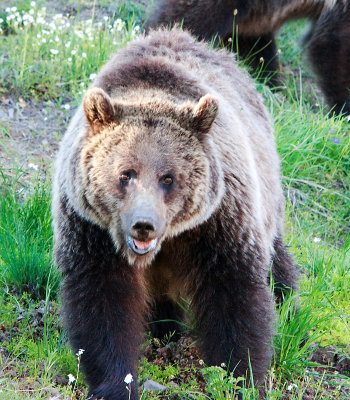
(129, 143)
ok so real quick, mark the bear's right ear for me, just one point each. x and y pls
(98, 108)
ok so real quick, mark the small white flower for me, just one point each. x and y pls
(32, 3)
(291, 387)
(13, 9)
(83, 54)
(317, 240)
(128, 379)
(80, 351)
(92, 76)
(69, 59)
(71, 378)
(66, 107)
(82, 84)
(33, 166)
(53, 51)
(73, 52)
(43, 40)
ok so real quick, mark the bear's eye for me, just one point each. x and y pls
(167, 180)
(125, 176)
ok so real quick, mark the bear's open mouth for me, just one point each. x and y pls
(139, 247)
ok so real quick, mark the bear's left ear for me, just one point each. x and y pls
(98, 108)
(204, 113)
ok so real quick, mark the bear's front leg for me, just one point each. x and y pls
(104, 307)
(103, 316)
(234, 311)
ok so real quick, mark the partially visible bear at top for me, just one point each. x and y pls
(167, 186)
(250, 28)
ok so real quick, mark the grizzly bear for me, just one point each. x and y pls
(167, 186)
(250, 28)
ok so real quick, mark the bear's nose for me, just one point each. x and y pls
(143, 228)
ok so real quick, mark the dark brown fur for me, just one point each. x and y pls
(253, 27)
(172, 144)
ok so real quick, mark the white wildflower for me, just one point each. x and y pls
(65, 106)
(291, 387)
(317, 240)
(128, 379)
(33, 166)
(71, 378)
(92, 76)
(80, 351)
(83, 54)
(32, 3)
(73, 52)
(53, 51)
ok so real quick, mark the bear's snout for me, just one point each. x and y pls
(143, 228)
(143, 225)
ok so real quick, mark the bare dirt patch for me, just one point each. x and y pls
(29, 135)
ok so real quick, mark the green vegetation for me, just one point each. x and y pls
(49, 56)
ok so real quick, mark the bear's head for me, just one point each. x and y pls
(149, 169)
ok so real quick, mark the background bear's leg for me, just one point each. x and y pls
(329, 52)
(234, 315)
(284, 271)
(165, 319)
(260, 53)
(103, 306)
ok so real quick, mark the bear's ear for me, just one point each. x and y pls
(204, 113)
(98, 108)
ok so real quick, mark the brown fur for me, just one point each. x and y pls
(172, 143)
(252, 25)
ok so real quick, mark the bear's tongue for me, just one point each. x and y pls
(142, 245)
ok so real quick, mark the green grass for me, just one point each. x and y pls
(35, 357)
(26, 239)
(43, 55)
